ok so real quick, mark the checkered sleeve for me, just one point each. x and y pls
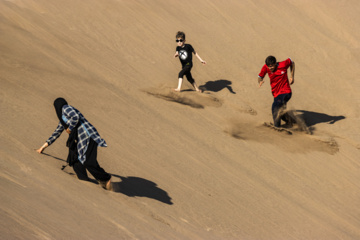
(56, 134)
(96, 137)
(72, 115)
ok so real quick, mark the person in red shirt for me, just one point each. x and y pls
(280, 85)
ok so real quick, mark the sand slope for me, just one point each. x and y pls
(184, 165)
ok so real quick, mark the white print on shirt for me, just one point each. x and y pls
(183, 54)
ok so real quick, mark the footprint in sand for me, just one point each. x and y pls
(247, 109)
(189, 98)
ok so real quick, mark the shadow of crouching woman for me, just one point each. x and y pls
(139, 187)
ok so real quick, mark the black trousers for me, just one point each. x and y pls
(91, 164)
(186, 71)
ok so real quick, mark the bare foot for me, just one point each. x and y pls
(109, 185)
(199, 90)
(177, 90)
(106, 184)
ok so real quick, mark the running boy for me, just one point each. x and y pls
(184, 52)
(280, 85)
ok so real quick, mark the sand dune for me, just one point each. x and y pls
(185, 165)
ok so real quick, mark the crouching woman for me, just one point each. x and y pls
(82, 143)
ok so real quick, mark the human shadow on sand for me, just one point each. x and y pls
(67, 165)
(313, 118)
(46, 154)
(130, 186)
(140, 187)
(217, 85)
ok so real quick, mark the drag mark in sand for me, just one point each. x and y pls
(298, 141)
(189, 98)
(11, 179)
(130, 234)
(27, 224)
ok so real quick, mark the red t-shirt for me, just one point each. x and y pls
(278, 80)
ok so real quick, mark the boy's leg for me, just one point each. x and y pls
(191, 80)
(179, 85)
(196, 87)
(278, 106)
(275, 112)
(286, 117)
(187, 72)
(181, 76)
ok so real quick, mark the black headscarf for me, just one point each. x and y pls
(58, 104)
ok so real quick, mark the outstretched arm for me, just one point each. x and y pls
(261, 75)
(52, 139)
(260, 81)
(198, 56)
(292, 72)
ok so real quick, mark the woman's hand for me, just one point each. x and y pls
(41, 149)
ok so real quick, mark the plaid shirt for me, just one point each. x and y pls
(86, 131)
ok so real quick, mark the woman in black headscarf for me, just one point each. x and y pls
(83, 142)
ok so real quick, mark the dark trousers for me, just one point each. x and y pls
(91, 164)
(278, 105)
(186, 70)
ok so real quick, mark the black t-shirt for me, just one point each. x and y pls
(185, 53)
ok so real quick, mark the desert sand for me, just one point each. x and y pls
(185, 165)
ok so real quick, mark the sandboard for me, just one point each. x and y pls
(295, 119)
(279, 129)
